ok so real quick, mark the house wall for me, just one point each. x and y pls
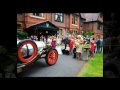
(21, 21)
(31, 19)
(93, 26)
(73, 26)
(64, 26)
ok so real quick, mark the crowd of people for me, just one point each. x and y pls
(73, 45)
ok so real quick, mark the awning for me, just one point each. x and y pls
(43, 27)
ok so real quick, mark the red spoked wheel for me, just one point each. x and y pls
(52, 57)
(31, 57)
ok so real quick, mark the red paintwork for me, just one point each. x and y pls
(31, 57)
(52, 57)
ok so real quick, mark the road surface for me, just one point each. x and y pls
(66, 66)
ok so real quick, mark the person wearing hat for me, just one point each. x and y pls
(71, 43)
(53, 43)
(79, 46)
(92, 47)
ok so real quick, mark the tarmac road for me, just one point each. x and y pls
(66, 66)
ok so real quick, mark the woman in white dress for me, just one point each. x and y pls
(59, 47)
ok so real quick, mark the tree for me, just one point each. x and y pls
(21, 35)
(89, 33)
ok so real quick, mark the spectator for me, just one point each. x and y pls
(98, 45)
(67, 50)
(101, 45)
(71, 43)
(92, 43)
(32, 37)
(53, 43)
(74, 48)
(95, 51)
(49, 40)
(65, 41)
(79, 46)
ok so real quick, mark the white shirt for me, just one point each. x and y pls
(67, 48)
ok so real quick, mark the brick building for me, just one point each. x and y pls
(95, 24)
(67, 22)
(20, 21)
(82, 20)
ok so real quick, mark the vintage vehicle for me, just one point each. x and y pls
(29, 51)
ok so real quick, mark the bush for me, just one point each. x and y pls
(89, 33)
(21, 35)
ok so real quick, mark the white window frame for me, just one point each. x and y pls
(19, 29)
(61, 15)
(74, 20)
(36, 16)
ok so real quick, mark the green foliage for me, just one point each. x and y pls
(78, 33)
(21, 35)
(86, 45)
(73, 30)
(89, 33)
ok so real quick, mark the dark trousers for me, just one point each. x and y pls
(65, 52)
(65, 46)
(98, 49)
(74, 53)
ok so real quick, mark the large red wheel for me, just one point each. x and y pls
(52, 57)
(20, 54)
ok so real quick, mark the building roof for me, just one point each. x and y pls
(42, 26)
(76, 13)
(82, 16)
(92, 17)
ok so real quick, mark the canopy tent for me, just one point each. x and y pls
(42, 28)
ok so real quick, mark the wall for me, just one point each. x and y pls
(72, 26)
(30, 19)
(94, 26)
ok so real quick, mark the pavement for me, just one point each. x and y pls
(66, 66)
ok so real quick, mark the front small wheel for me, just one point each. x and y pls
(52, 57)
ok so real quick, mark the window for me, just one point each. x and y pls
(39, 14)
(18, 26)
(74, 19)
(81, 24)
(59, 17)
(100, 27)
